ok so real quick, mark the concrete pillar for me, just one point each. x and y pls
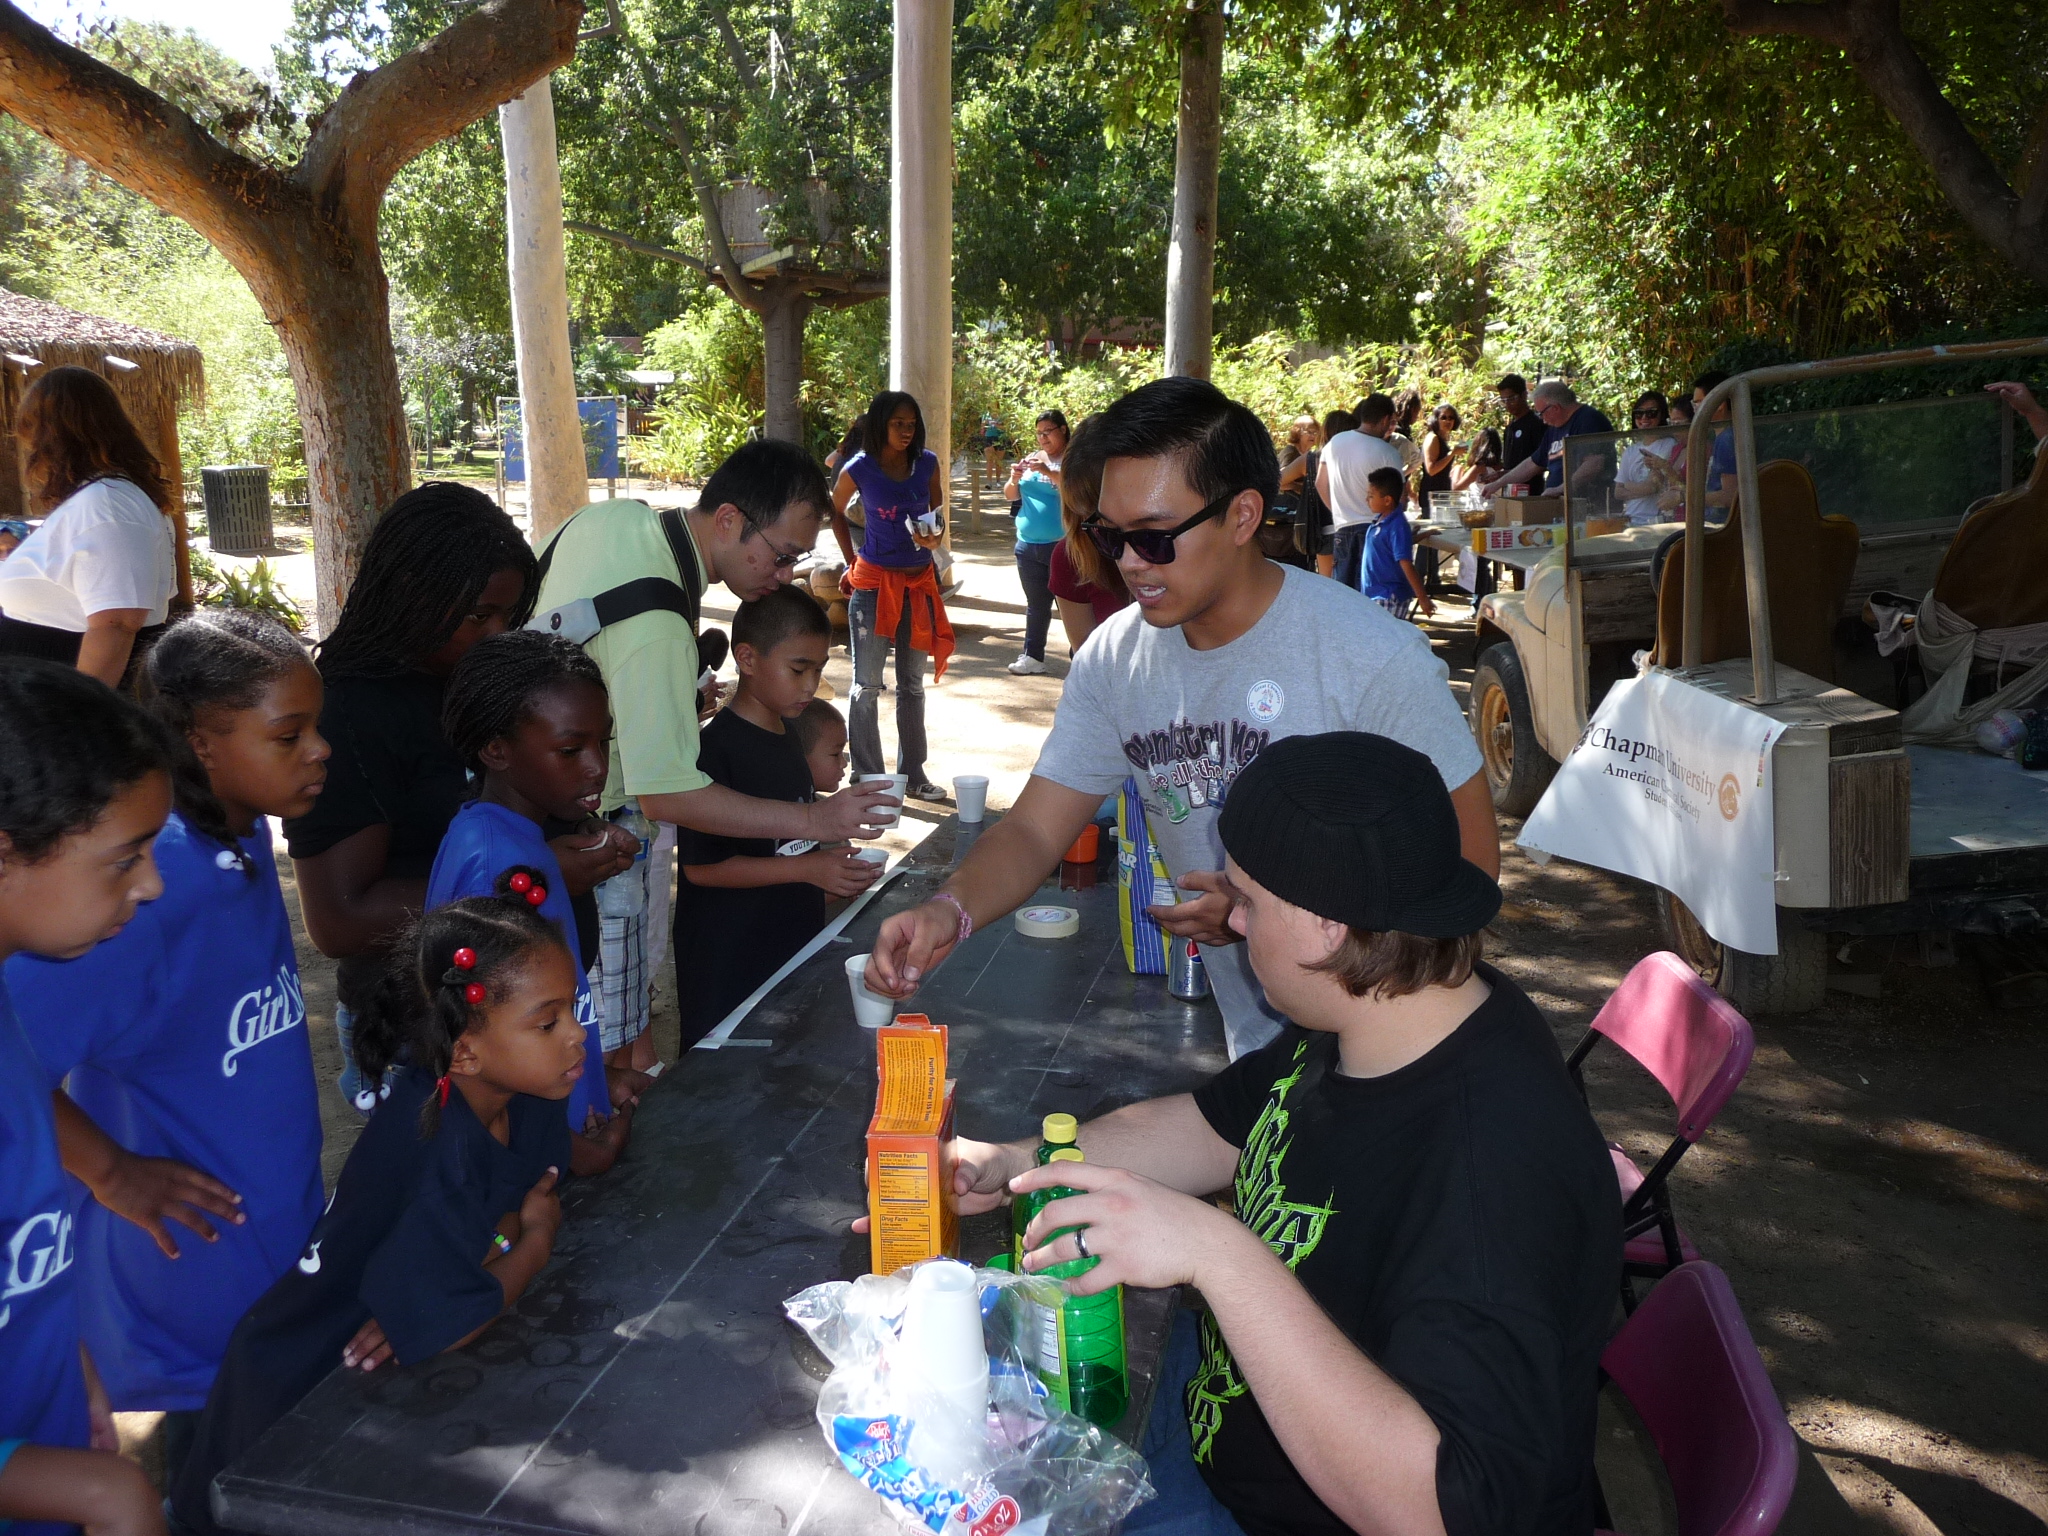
(921, 216)
(1197, 161)
(557, 480)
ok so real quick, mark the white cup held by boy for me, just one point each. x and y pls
(887, 815)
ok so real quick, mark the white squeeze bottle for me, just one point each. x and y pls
(625, 894)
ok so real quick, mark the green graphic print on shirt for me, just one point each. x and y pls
(1292, 1230)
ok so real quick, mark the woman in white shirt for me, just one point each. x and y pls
(101, 569)
(1647, 479)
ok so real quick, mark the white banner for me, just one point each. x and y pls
(1672, 784)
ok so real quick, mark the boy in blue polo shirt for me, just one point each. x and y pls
(1387, 574)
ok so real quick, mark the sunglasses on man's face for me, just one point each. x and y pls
(1154, 545)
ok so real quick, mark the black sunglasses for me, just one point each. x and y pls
(1154, 545)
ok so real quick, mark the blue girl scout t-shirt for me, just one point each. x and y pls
(42, 1387)
(482, 842)
(184, 1036)
(889, 507)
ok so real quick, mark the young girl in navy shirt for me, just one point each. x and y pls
(84, 787)
(189, 1092)
(445, 1210)
(528, 714)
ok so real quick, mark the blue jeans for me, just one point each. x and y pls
(1349, 548)
(864, 728)
(351, 1082)
(1034, 569)
(1184, 1506)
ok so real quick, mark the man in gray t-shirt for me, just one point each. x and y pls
(1221, 652)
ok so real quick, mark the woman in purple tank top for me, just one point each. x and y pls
(902, 494)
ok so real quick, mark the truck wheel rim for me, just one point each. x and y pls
(1497, 734)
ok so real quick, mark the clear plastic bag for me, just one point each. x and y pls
(1039, 1471)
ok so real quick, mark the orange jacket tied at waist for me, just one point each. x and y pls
(930, 630)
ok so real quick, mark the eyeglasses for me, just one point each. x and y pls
(784, 558)
(1154, 545)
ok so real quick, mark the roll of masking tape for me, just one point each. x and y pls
(1048, 922)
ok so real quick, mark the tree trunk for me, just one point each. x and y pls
(332, 314)
(921, 215)
(782, 332)
(303, 238)
(1197, 157)
(550, 431)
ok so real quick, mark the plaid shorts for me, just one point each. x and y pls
(619, 980)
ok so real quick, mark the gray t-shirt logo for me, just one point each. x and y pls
(1192, 766)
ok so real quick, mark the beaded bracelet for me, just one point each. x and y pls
(501, 1242)
(966, 922)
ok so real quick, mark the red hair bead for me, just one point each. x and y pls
(537, 895)
(521, 882)
(474, 993)
(464, 959)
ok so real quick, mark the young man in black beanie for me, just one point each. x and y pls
(1407, 1310)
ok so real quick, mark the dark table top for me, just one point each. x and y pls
(648, 1381)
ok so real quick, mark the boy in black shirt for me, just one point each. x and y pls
(1408, 1307)
(745, 905)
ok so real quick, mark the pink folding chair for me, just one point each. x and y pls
(1686, 1363)
(1687, 1037)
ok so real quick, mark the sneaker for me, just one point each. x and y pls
(1027, 666)
(925, 789)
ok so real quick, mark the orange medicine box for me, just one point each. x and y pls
(910, 1162)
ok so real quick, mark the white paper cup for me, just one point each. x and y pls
(970, 793)
(875, 856)
(871, 1010)
(887, 815)
(945, 1364)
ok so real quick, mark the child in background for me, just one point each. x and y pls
(528, 714)
(745, 905)
(446, 1208)
(1387, 575)
(189, 1088)
(820, 733)
(85, 785)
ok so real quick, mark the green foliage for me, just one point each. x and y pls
(601, 368)
(257, 590)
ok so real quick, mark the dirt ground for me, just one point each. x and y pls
(1877, 1191)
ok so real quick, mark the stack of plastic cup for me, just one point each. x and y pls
(945, 1365)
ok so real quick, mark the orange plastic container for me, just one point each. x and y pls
(1085, 846)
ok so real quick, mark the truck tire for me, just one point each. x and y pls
(1517, 768)
(1794, 980)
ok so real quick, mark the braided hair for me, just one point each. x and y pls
(215, 659)
(492, 689)
(426, 562)
(69, 745)
(422, 1004)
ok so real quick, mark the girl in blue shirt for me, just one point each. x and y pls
(189, 1095)
(84, 787)
(1034, 490)
(528, 714)
(446, 1208)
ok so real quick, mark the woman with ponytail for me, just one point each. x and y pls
(190, 1100)
(446, 1208)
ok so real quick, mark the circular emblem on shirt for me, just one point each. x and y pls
(1265, 700)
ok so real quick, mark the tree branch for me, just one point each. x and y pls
(750, 82)
(127, 132)
(1825, 21)
(638, 247)
(389, 116)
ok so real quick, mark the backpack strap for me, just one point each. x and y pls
(581, 619)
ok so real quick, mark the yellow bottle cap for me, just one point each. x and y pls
(1067, 1155)
(1060, 1128)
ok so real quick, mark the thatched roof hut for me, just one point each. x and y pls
(154, 374)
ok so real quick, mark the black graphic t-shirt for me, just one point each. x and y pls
(728, 942)
(1458, 1220)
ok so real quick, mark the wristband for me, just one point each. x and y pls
(966, 922)
(501, 1242)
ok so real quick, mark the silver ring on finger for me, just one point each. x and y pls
(1081, 1243)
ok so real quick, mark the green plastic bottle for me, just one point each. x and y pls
(1091, 1327)
(1059, 1132)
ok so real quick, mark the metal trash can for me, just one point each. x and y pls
(237, 508)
